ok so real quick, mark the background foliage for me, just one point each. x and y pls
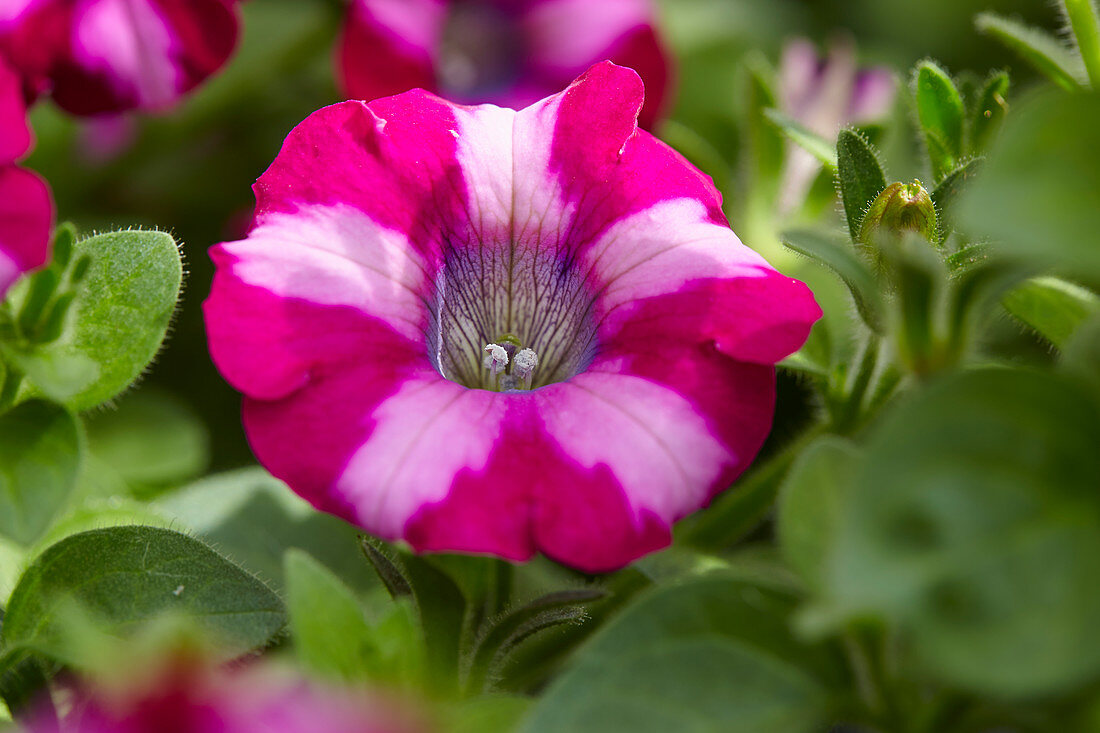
(917, 548)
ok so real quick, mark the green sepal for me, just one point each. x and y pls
(942, 117)
(440, 604)
(502, 635)
(901, 207)
(860, 177)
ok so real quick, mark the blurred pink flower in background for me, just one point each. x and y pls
(826, 95)
(506, 52)
(182, 694)
(102, 56)
(26, 207)
(482, 330)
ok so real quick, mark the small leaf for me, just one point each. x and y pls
(847, 265)
(331, 634)
(118, 318)
(713, 653)
(1043, 51)
(809, 504)
(125, 576)
(805, 138)
(941, 114)
(1053, 307)
(39, 463)
(989, 112)
(859, 175)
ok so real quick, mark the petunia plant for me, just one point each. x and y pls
(525, 396)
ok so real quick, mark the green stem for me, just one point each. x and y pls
(1082, 17)
(12, 381)
(851, 407)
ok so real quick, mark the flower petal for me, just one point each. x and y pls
(26, 222)
(667, 274)
(584, 146)
(565, 37)
(653, 448)
(398, 161)
(15, 133)
(389, 46)
(141, 54)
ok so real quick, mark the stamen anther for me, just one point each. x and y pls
(495, 359)
(524, 364)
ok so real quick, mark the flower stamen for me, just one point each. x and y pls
(495, 359)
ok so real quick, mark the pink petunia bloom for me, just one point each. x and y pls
(506, 52)
(26, 207)
(503, 332)
(183, 695)
(825, 95)
(103, 56)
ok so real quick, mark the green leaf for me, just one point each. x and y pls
(988, 112)
(117, 321)
(39, 463)
(1053, 307)
(710, 654)
(847, 265)
(253, 517)
(1035, 196)
(859, 176)
(1042, 50)
(805, 138)
(1086, 29)
(973, 527)
(810, 500)
(332, 636)
(126, 576)
(152, 439)
(941, 114)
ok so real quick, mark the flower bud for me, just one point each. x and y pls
(898, 209)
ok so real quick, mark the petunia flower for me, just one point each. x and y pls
(103, 56)
(26, 207)
(186, 695)
(506, 52)
(825, 95)
(395, 241)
